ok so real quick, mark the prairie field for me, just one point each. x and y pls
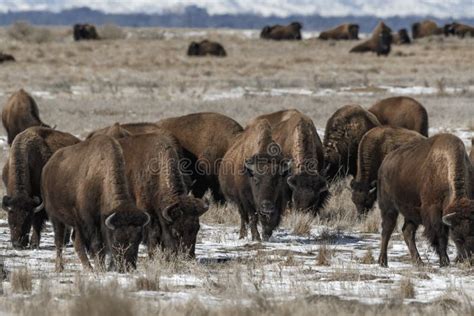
(311, 265)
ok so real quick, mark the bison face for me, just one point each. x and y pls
(20, 215)
(180, 224)
(354, 31)
(364, 196)
(384, 43)
(308, 191)
(266, 176)
(461, 223)
(193, 49)
(124, 234)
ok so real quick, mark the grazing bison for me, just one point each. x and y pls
(252, 176)
(282, 32)
(205, 48)
(306, 187)
(374, 146)
(85, 32)
(6, 57)
(341, 32)
(457, 29)
(152, 163)
(30, 151)
(401, 37)
(344, 130)
(379, 42)
(430, 182)
(403, 112)
(19, 113)
(425, 28)
(84, 186)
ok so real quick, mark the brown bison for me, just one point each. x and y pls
(30, 151)
(425, 28)
(457, 29)
(6, 57)
(152, 163)
(401, 37)
(85, 32)
(341, 32)
(380, 41)
(252, 176)
(299, 141)
(430, 182)
(123, 130)
(402, 112)
(205, 48)
(282, 32)
(84, 186)
(374, 146)
(19, 113)
(344, 130)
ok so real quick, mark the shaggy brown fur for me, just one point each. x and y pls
(19, 113)
(152, 163)
(282, 32)
(30, 151)
(205, 48)
(122, 130)
(85, 32)
(471, 155)
(402, 112)
(379, 42)
(425, 28)
(425, 181)
(401, 37)
(341, 32)
(296, 134)
(85, 187)
(252, 175)
(6, 57)
(374, 146)
(344, 130)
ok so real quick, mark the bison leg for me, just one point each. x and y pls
(442, 247)
(253, 226)
(409, 233)
(59, 230)
(389, 221)
(244, 219)
(81, 249)
(38, 223)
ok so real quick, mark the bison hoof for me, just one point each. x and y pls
(444, 262)
(383, 262)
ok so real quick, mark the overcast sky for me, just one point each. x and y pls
(381, 8)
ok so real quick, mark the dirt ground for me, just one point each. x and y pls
(322, 264)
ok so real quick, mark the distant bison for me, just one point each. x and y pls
(252, 176)
(430, 182)
(85, 32)
(374, 146)
(19, 113)
(205, 48)
(425, 28)
(30, 151)
(6, 57)
(152, 163)
(380, 41)
(341, 32)
(84, 186)
(296, 134)
(403, 112)
(282, 32)
(457, 29)
(344, 130)
(401, 37)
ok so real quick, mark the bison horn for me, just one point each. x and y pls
(291, 182)
(166, 213)
(148, 218)
(325, 170)
(448, 218)
(287, 166)
(323, 189)
(39, 208)
(372, 190)
(108, 221)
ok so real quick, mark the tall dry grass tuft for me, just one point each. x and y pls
(21, 281)
(150, 280)
(25, 32)
(324, 256)
(407, 289)
(371, 222)
(221, 214)
(340, 211)
(368, 257)
(300, 223)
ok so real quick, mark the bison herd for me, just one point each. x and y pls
(135, 183)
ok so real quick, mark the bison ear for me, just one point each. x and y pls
(6, 203)
(250, 167)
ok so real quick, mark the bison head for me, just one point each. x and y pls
(384, 43)
(20, 215)
(308, 191)
(193, 49)
(364, 195)
(460, 218)
(267, 174)
(124, 234)
(354, 31)
(265, 31)
(180, 224)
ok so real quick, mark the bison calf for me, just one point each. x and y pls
(430, 182)
(282, 32)
(85, 187)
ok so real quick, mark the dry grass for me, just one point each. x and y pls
(368, 257)
(371, 222)
(300, 223)
(324, 256)
(25, 32)
(407, 289)
(221, 214)
(111, 32)
(21, 281)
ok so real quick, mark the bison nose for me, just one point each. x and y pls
(267, 205)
